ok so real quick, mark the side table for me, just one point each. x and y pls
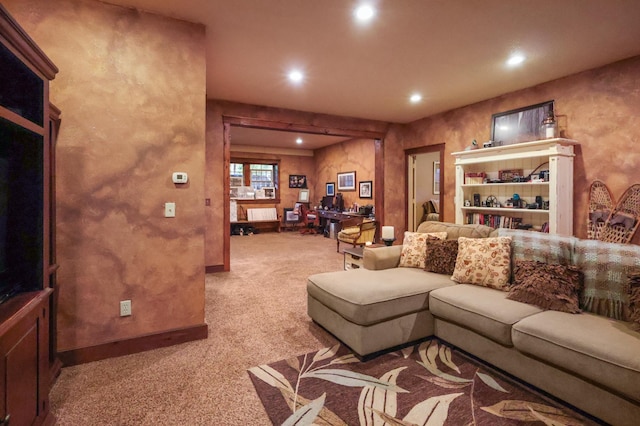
(353, 256)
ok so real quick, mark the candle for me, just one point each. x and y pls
(388, 233)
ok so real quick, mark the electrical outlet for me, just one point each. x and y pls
(125, 308)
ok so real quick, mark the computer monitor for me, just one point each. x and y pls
(327, 202)
(339, 203)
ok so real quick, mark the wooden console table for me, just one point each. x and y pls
(335, 216)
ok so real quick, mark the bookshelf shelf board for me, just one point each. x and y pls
(504, 184)
(504, 210)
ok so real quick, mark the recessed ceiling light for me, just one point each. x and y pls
(415, 98)
(299, 141)
(515, 59)
(296, 76)
(364, 13)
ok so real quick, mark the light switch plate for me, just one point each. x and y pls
(169, 209)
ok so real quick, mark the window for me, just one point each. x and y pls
(259, 175)
(262, 175)
(237, 176)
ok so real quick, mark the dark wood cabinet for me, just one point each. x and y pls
(24, 359)
(27, 228)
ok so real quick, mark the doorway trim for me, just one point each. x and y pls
(408, 153)
(230, 121)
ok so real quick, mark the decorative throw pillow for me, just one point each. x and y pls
(441, 256)
(414, 248)
(483, 261)
(634, 299)
(547, 286)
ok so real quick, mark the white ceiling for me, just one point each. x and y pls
(451, 51)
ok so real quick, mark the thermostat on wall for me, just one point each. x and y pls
(180, 177)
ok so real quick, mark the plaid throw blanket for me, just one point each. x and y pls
(539, 247)
(606, 268)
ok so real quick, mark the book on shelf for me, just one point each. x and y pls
(494, 220)
(474, 178)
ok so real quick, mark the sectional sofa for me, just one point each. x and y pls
(587, 359)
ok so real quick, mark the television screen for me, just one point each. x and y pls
(21, 202)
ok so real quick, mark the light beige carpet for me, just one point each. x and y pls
(256, 314)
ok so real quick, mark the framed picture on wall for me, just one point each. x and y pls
(269, 192)
(331, 189)
(347, 181)
(297, 181)
(303, 196)
(366, 189)
(519, 125)
(436, 177)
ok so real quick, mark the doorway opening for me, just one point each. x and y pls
(233, 121)
(425, 179)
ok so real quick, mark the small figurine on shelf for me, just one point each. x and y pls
(474, 145)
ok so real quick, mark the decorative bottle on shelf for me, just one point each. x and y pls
(550, 126)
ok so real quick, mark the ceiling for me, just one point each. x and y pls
(280, 139)
(452, 52)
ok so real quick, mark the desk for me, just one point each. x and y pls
(331, 216)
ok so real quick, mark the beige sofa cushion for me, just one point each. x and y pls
(484, 310)
(455, 231)
(597, 348)
(367, 297)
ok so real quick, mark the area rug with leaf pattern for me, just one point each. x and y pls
(429, 384)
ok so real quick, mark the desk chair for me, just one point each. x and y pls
(290, 219)
(310, 220)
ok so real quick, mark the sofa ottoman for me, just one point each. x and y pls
(370, 311)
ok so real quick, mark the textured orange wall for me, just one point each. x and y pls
(294, 165)
(599, 108)
(214, 253)
(132, 92)
(353, 155)
(395, 182)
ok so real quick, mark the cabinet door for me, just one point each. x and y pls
(21, 362)
(24, 383)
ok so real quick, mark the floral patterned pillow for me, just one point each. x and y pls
(414, 248)
(484, 261)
